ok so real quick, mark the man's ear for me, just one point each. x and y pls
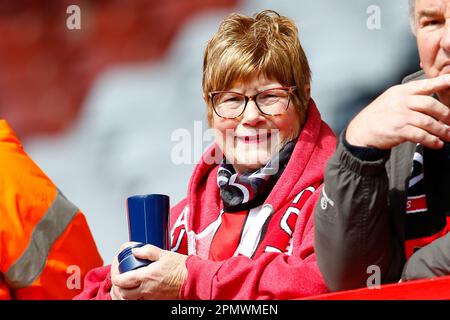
(421, 65)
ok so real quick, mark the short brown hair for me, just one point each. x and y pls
(266, 44)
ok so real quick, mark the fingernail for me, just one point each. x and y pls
(136, 250)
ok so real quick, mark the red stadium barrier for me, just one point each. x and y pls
(429, 289)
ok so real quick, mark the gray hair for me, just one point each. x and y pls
(412, 18)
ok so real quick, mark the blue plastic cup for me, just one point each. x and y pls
(148, 223)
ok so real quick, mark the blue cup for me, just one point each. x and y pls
(148, 223)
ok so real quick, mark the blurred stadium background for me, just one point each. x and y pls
(96, 107)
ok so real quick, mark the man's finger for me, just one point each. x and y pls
(418, 135)
(430, 106)
(430, 125)
(429, 86)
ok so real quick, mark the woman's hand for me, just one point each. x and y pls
(162, 279)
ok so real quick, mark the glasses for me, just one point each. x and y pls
(270, 102)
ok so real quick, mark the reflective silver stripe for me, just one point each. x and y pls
(31, 263)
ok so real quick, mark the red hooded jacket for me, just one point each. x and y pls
(277, 259)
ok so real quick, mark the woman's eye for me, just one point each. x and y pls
(231, 99)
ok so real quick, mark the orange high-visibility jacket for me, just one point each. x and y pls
(46, 246)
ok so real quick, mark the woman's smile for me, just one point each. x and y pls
(255, 138)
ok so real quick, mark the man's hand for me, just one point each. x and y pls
(404, 113)
(162, 279)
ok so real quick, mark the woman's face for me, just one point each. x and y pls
(251, 140)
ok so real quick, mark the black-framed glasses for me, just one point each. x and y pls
(270, 102)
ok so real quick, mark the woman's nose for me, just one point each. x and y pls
(252, 115)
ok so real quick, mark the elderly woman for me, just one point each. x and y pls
(245, 229)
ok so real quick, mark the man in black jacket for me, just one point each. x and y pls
(384, 202)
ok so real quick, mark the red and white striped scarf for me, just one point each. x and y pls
(427, 216)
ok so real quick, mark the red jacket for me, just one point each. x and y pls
(281, 263)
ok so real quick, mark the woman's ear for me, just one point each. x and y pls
(209, 113)
(308, 91)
